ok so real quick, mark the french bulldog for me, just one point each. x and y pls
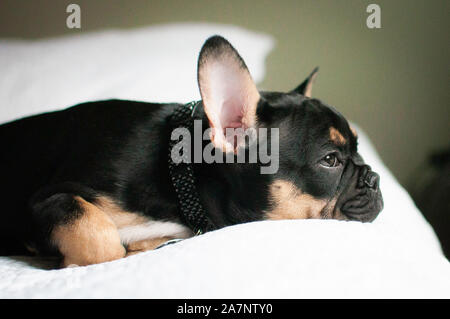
(97, 182)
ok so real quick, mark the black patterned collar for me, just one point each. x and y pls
(182, 175)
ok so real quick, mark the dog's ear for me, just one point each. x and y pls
(306, 87)
(229, 94)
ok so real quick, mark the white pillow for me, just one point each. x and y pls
(156, 64)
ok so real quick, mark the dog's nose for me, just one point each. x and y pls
(367, 178)
(372, 179)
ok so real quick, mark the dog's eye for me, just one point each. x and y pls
(330, 160)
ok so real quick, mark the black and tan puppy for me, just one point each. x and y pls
(94, 182)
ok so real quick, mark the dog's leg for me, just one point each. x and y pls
(82, 232)
(146, 244)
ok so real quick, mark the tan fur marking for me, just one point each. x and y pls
(91, 239)
(144, 245)
(135, 227)
(336, 137)
(119, 216)
(290, 203)
(355, 134)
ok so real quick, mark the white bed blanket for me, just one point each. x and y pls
(397, 255)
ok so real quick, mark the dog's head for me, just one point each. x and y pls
(321, 174)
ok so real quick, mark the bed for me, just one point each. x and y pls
(396, 256)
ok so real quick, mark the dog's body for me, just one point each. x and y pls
(92, 183)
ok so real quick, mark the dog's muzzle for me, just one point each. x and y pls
(362, 199)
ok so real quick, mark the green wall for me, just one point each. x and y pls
(392, 81)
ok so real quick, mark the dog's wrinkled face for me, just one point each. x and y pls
(321, 174)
